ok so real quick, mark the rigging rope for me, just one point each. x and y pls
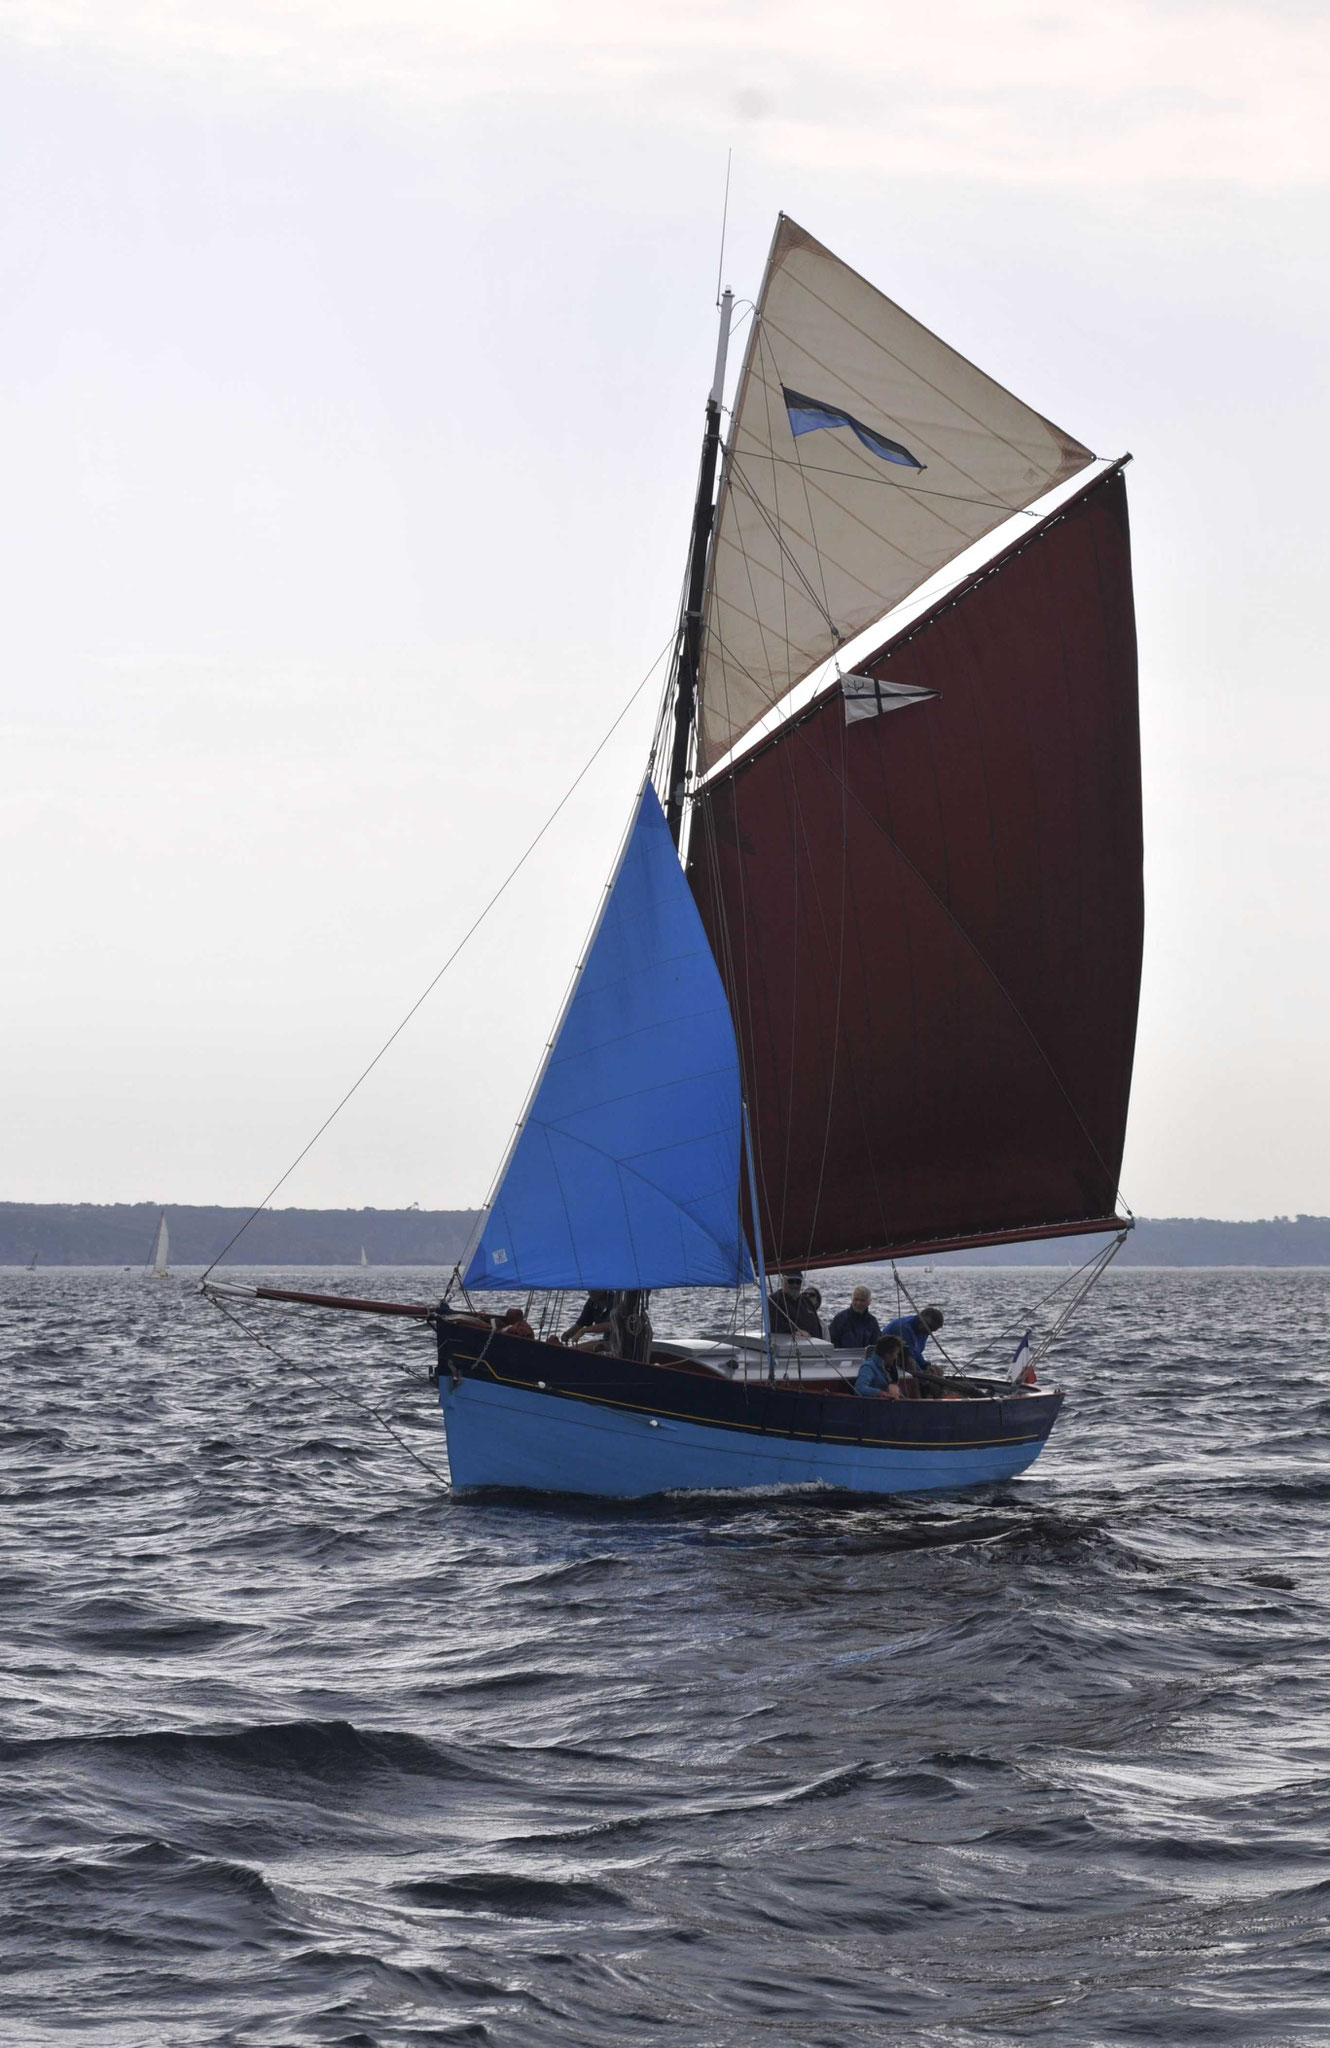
(1096, 1273)
(466, 937)
(1093, 1268)
(338, 1393)
(1026, 1317)
(724, 222)
(892, 483)
(901, 1288)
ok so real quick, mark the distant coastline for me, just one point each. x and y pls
(121, 1234)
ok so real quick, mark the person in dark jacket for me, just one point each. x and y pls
(854, 1329)
(791, 1315)
(594, 1320)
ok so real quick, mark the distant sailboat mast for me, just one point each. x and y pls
(161, 1251)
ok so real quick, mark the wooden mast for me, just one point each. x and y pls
(685, 710)
(690, 633)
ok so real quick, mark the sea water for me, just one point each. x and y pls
(298, 1749)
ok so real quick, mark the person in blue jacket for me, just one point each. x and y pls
(885, 1373)
(914, 1332)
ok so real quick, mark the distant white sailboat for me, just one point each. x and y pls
(363, 1260)
(161, 1251)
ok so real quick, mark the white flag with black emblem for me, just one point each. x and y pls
(870, 696)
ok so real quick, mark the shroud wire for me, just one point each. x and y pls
(467, 935)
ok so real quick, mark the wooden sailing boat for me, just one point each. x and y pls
(865, 980)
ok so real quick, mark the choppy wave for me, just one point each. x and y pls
(295, 1749)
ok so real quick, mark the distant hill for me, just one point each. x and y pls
(1177, 1241)
(121, 1234)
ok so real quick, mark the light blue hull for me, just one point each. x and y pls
(507, 1437)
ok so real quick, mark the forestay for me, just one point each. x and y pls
(865, 454)
(625, 1169)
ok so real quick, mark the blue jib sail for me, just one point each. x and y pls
(625, 1172)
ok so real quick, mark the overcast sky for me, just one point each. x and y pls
(351, 374)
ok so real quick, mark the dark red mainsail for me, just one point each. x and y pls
(929, 921)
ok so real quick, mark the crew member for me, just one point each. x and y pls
(914, 1332)
(594, 1320)
(885, 1373)
(854, 1329)
(790, 1313)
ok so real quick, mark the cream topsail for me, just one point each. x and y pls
(818, 533)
